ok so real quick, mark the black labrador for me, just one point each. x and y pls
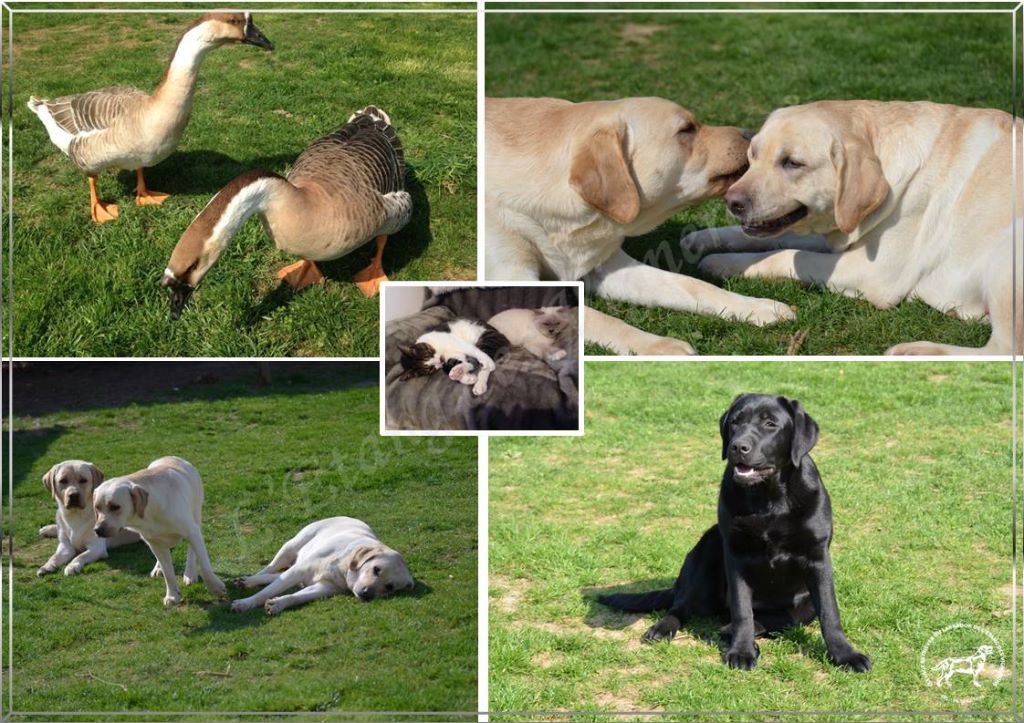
(766, 563)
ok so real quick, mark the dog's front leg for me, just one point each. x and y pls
(307, 594)
(95, 550)
(64, 552)
(625, 279)
(823, 594)
(172, 596)
(743, 651)
(731, 239)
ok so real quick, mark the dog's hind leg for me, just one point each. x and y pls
(202, 557)
(307, 594)
(260, 578)
(284, 581)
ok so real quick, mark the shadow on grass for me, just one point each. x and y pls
(31, 445)
(704, 629)
(200, 172)
(221, 618)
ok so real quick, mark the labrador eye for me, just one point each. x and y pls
(63, 481)
(376, 570)
(686, 129)
(789, 164)
(770, 423)
(115, 508)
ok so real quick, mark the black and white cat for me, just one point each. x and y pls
(464, 349)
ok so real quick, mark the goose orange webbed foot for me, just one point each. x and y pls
(369, 279)
(144, 196)
(103, 212)
(301, 274)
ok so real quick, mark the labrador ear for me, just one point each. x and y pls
(140, 498)
(723, 426)
(805, 432)
(362, 555)
(601, 175)
(50, 478)
(96, 475)
(860, 187)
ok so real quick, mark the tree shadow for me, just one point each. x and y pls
(31, 445)
(200, 172)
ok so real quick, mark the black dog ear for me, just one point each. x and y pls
(805, 432)
(723, 426)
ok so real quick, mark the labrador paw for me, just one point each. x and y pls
(156, 571)
(766, 311)
(273, 606)
(664, 629)
(916, 348)
(217, 588)
(722, 266)
(240, 606)
(666, 346)
(73, 568)
(46, 570)
(697, 244)
(743, 658)
(172, 600)
(853, 660)
(240, 582)
(187, 579)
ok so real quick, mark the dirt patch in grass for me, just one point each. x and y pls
(511, 593)
(639, 32)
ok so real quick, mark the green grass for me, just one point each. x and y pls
(272, 461)
(82, 289)
(734, 69)
(916, 458)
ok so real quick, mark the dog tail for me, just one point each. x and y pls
(639, 602)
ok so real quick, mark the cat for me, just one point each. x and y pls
(536, 330)
(463, 348)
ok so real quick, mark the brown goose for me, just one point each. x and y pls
(124, 127)
(345, 189)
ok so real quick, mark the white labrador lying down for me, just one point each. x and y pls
(72, 484)
(901, 201)
(330, 557)
(164, 504)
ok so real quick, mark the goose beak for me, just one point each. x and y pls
(253, 36)
(180, 294)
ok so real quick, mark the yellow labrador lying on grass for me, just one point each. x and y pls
(164, 504)
(72, 484)
(330, 557)
(902, 200)
(568, 182)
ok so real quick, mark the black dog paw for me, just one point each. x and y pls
(743, 659)
(857, 662)
(664, 629)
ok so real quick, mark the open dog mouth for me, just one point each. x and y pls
(775, 225)
(730, 178)
(748, 475)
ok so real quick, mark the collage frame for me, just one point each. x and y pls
(482, 9)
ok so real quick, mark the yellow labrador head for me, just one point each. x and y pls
(641, 159)
(811, 171)
(72, 483)
(116, 501)
(375, 570)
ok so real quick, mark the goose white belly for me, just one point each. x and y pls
(125, 146)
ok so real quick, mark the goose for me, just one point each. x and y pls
(126, 128)
(345, 189)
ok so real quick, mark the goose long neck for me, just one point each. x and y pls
(179, 81)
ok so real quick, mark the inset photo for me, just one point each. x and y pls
(481, 358)
(753, 541)
(234, 537)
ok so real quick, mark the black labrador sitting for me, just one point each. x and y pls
(766, 563)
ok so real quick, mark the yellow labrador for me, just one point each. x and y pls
(566, 183)
(330, 557)
(164, 504)
(889, 201)
(72, 483)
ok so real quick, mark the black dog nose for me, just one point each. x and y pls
(366, 593)
(74, 499)
(737, 202)
(100, 532)
(741, 447)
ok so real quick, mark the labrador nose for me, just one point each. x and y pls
(74, 500)
(100, 532)
(366, 594)
(737, 202)
(743, 447)
(747, 134)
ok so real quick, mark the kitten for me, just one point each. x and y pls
(536, 330)
(464, 349)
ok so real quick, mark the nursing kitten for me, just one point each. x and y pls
(464, 349)
(536, 330)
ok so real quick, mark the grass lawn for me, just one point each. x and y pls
(272, 459)
(734, 69)
(916, 458)
(88, 290)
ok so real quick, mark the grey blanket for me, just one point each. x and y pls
(524, 392)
